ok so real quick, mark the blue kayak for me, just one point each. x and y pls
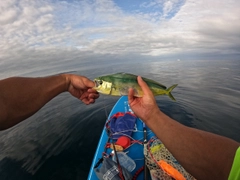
(135, 151)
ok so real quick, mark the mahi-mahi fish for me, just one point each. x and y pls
(118, 85)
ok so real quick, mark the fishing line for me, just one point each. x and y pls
(122, 133)
(105, 107)
(134, 141)
(127, 130)
(119, 166)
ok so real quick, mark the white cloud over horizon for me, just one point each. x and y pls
(154, 28)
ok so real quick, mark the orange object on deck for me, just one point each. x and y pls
(171, 171)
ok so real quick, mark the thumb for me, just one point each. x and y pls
(144, 86)
(88, 83)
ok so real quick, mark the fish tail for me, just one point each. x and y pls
(169, 90)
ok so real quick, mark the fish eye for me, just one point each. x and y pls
(100, 82)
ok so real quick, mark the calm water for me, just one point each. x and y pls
(59, 141)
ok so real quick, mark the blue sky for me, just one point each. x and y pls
(157, 9)
(156, 28)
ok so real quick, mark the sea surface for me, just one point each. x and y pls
(59, 141)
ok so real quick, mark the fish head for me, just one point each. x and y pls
(102, 86)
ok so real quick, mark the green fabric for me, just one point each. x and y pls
(235, 171)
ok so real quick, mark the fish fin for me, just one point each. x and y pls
(169, 90)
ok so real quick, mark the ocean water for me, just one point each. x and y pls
(59, 141)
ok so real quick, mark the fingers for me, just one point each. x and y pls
(93, 95)
(89, 99)
(90, 90)
(130, 95)
(89, 96)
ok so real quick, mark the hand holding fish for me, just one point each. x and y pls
(21, 97)
(81, 88)
(203, 154)
(144, 107)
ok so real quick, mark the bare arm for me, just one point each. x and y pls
(22, 97)
(202, 154)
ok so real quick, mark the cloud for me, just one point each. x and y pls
(153, 28)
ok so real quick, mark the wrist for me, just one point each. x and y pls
(66, 81)
(156, 115)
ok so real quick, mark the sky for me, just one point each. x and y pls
(42, 30)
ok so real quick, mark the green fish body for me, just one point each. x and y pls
(119, 84)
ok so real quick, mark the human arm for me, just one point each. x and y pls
(202, 154)
(21, 97)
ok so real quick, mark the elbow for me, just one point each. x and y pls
(3, 124)
(2, 128)
(6, 124)
(3, 120)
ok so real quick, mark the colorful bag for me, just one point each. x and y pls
(121, 124)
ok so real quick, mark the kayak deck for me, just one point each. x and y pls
(135, 151)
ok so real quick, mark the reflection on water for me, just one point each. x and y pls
(59, 141)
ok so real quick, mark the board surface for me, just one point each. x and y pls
(135, 151)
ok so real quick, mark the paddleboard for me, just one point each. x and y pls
(135, 151)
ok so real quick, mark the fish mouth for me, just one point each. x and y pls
(96, 85)
(97, 82)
